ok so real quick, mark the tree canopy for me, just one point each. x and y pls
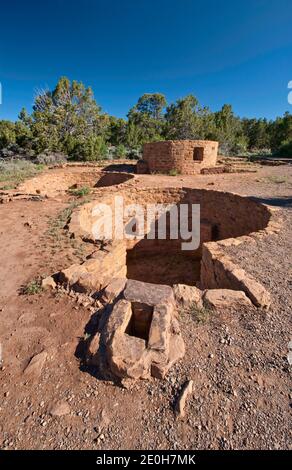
(68, 119)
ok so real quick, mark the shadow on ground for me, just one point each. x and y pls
(284, 201)
(122, 167)
(95, 325)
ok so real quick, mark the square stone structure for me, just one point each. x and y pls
(187, 157)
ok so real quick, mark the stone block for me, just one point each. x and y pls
(187, 296)
(220, 299)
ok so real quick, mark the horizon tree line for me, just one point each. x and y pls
(67, 119)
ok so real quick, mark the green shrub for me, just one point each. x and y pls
(285, 149)
(16, 171)
(51, 158)
(134, 153)
(7, 133)
(92, 149)
(173, 172)
(120, 151)
(32, 288)
(80, 192)
(200, 315)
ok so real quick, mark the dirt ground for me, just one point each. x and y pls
(238, 361)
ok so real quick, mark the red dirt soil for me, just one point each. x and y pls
(237, 360)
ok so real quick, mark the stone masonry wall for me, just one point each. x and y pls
(185, 156)
(229, 215)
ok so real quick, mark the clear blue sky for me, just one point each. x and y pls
(237, 52)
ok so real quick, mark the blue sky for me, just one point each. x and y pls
(237, 52)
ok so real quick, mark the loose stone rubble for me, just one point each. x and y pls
(98, 271)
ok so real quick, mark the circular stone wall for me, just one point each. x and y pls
(222, 216)
(187, 157)
(59, 180)
(226, 214)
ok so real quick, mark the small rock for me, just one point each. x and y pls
(34, 368)
(93, 350)
(48, 283)
(186, 391)
(60, 409)
(104, 420)
(28, 224)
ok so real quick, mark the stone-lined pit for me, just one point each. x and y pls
(224, 216)
(159, 266)
(140, 321)
(139, 334)
(59, 180)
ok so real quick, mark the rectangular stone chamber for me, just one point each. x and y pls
(163, 261)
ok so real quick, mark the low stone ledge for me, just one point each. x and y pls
(145, 292)
(96, 272)
(219, 272)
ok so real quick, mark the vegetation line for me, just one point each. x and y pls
(68, 120)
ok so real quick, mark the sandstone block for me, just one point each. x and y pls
(187, 296)
(151, 294)
(48, 283)
(89, 282)
(225, 299)
(159, 330)
(142, 337)
(114, 288)
(71, 275)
